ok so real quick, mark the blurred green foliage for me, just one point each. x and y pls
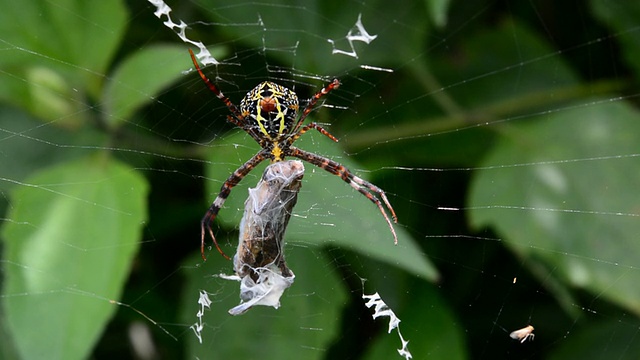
(525, 112)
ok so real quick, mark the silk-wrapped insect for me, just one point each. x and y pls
(259, 262)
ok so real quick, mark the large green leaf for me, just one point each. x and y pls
(29, 146)
(428, 323)
(56, 52)
(139, 79)
(569, 200)
(329, 212)
(438, 11)
(608, 339)
(480, 79)
(73, 232)
(623, 18)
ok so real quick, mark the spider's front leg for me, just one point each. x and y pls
(234, 110)
(215, 207)
(312, 102)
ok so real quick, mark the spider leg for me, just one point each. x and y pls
(251, 131)
(234, 110)
(215, 207)
(364, 187)
(238, 118)
(306, 128)
(234, 121)
(314, 100)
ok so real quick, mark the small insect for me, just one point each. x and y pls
(259, 262)
(523, 334)
(268, 114)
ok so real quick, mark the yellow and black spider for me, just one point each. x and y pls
(268, 114)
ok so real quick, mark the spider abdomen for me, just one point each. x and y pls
(272, 108)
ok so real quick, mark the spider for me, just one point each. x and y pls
(268, 114)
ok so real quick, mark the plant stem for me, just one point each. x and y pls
(505, 110)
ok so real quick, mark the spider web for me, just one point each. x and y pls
(507, 145)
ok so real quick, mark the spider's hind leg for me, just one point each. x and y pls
(364, 187)
(215, 207)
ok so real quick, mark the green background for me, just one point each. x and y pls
(521, 114)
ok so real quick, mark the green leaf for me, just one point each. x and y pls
(569, 201)
(438, 11)
(623, 17)
(308, 319)
(30, 153)
(328, 212)
(607, 339)
(470, 86)
(74, 231)
(140, 78)
(73, 41)
(482, 79)
(428, 323)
